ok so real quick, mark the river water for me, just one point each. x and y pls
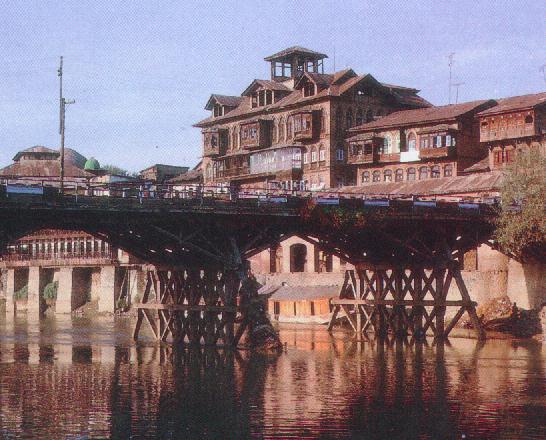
(76, 378)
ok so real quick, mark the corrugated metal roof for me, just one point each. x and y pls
(481, 182)
(514, 103)
(424, 115)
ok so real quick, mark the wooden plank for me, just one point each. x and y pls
(406, 302)
(179, 307)
(454, 321)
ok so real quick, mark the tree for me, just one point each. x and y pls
(112, 169)
(521, 226)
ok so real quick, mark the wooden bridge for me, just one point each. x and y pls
(404, 249)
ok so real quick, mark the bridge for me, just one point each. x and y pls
(405, 250)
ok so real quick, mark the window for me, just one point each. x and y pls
(339, 154)
(484, 125)
(349, 118)
(399, 175)
(448, 140)
(289, 128)
(424, 142)
(509, 155)
(387, 175)
(305, 157)
(411, 173)
(435, 172)
(387, 144)
(423, 173)
(365, 177)
(376, 176)
(313, 156)
(438, 142)
(528, 119)
(359, 117)
(309, 89)
(339, 122)
(448, 170)
(322, 155)
(412, 141)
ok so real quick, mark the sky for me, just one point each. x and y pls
(141, 72)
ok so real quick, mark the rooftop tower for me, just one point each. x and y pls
(292, 62)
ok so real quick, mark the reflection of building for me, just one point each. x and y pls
(289, 130)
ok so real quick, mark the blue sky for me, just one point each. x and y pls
(142, 71)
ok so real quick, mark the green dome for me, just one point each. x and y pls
(92, 164)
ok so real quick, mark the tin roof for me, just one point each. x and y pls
(295, 50)
(515, 103)
(479, 182)
(425, 115)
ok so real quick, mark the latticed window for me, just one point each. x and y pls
(387, 176)
(359, 117)
(411, 173)
(376, 176)
(448, 170)
(365, 177)
(399, 175)
(435, 172)
(423, 173)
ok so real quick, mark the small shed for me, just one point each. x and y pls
(304, 304)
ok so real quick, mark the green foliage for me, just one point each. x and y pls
(50, 290)
(22, 293)
(112, 169)
(521, 227)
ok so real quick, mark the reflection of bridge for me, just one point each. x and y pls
(408, 248)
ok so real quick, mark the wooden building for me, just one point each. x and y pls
(416, 145)
(514, 124)
(289, 131)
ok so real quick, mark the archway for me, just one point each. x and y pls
(298, 257)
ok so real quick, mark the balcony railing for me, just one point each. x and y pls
(432, 153)
(389, 157)
(233, 172)
(362, 158)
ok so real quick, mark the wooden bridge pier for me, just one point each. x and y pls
(192, 306)
(403, 301)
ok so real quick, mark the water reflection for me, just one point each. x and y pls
(74, 378)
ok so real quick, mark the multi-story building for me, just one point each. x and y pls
(289, 131)
(516, 123)
(420, 144)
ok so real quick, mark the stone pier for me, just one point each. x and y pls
(34, 297)
(107, 294)
(64, 292)
(10, 290)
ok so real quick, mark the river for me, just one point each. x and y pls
(79, 378)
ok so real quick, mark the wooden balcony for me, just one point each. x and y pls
(362, 158)
(214, 142)
(433, 153)
(304, 135)
(306, 125)
(389, 157)
(233, 172)
(499, 134)
(255, 134)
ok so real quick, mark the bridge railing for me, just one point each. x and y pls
(134, 194)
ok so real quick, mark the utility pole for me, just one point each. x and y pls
(450, 64)
(62, 108)
(457, 85)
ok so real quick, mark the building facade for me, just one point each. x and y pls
(289, 131)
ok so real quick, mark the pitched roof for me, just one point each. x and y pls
(295, 50)
(37, 149)
(515, 103)
(296, 97)
(478, 167)
(424, 115)
(43, 168)
(228, 101)
(268, 84)
(479, 182)
(188, 177)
